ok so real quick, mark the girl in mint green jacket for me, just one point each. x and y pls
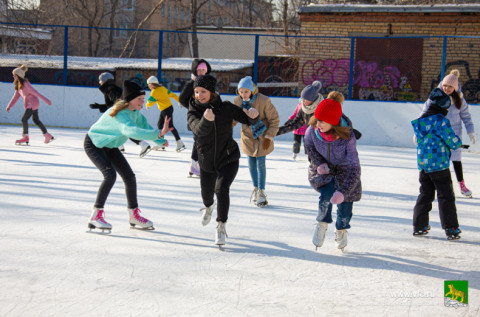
(114, 127)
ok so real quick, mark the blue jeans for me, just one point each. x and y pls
(258, 171)
(344, 210)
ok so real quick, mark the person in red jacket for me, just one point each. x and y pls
(30, 96)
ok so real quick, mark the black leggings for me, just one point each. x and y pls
(109, 162)
(297, 142)
(219, 184)
(26, 116)
(168, 112)
(458, 168)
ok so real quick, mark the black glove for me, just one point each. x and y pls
(94, 105)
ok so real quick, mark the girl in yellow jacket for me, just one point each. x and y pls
(161, 96)
(257, 139)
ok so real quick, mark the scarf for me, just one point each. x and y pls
(311, 109)
(328, 137)
(257, 128)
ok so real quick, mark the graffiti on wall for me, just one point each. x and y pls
(371, 79)
(470, 87)
(277, 70)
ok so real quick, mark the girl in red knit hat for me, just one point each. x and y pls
(334, 169)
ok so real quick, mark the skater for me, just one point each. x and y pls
(435, 140)
(298, 134)
(257, 139)
(30, 96)
(161, 96)
(199, 67)
(310, 98)
(334, 169)
(456, 115)
(101, 144)
(211, 121)
(112, 93)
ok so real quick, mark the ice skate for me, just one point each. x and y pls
(194, 169)
(207, 214)
(137, 220)
(341, 238)
(158, 148)
(98, 222)
(48, 138)
(221, 234)
(453, 233)
(145, 148)
(319, 234)
(262, 199)
(464, 190)
(23, 141)
(254, 196)
(294, 156)
(180, 146)
(421, 231)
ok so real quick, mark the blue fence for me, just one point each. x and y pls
(365, 68)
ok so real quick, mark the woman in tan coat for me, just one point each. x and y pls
(257, 140)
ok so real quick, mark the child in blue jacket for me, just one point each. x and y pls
(115, 126)
(435, 141)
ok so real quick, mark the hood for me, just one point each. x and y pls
(196, 62)
(427, 125)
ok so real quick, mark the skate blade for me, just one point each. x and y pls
(22, 144)
(132, 226)
(92, 229)
(193, 176)
(181, 149)
(453, 238)
(145, 152)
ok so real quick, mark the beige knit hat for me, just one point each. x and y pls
(20, 71)
(452, 79)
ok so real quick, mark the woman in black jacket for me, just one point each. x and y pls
(210, 120)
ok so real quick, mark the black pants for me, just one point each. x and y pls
(26, 116)
(109, 162)
(194, 151)
(218, 183)
(297, 142)
(168, 112)
(440, 181)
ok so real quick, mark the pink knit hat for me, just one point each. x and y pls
(202, 66)
(451, 80)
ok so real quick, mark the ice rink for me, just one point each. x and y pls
(52, 266)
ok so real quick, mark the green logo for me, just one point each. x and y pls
(456, 293)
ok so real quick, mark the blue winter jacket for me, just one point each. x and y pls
(435, 140)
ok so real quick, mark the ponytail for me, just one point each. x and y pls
(119, 106)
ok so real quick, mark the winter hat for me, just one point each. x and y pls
(451, 80)
(152, 80)
(104, 77)
(20, 71)
(131, 91)
(202, 65)
(329, 111)
(205, 81)
(247, 82)
(439, 98)
(310, 92)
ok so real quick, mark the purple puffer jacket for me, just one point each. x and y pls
(342, 158)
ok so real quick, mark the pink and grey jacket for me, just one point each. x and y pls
(302, 129)
(30, 97)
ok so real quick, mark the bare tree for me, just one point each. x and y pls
(139, 26)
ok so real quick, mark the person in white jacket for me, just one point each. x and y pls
(458, 113)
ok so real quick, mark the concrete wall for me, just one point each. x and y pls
(381, 123)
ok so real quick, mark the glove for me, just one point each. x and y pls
(472, 137)
(94, 105)
(266, 143)
(414, 139)
(8, 109)
(323, 169)
(337, 198)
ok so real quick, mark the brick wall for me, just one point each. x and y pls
(462, 53)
